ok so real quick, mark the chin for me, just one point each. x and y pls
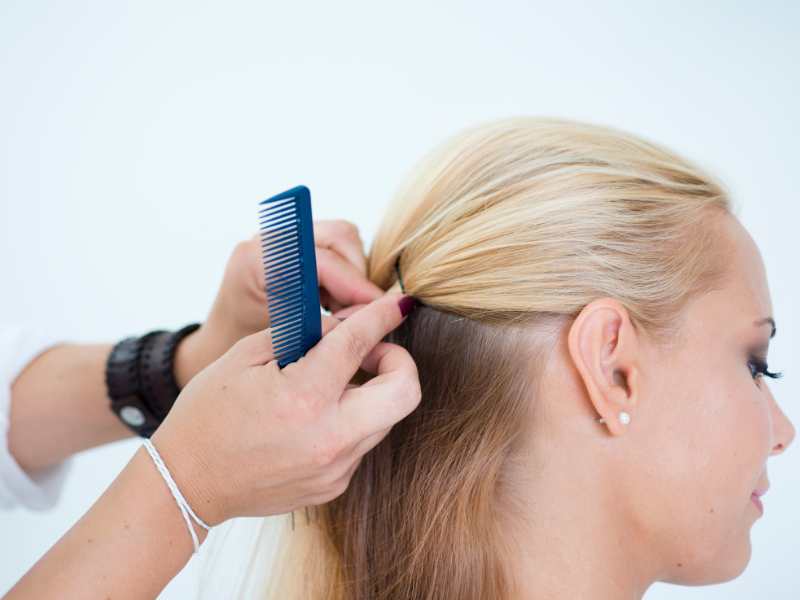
(707, 569)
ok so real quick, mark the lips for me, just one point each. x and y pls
(756, 497)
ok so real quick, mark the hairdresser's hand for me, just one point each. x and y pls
(240, 307)
(246, 438)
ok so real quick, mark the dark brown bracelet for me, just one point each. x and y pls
(122, 384)
(157, 368)
(140, 378)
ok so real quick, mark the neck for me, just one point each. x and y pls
(574, 540)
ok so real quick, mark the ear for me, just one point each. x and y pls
(604, 346)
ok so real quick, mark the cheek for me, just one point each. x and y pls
(726, 442)
(710, 438)
(730, 442)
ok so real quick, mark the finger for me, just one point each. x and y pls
(344, 282)
(329, 303)
(329, 323)
(343, 480)
(368, 443)
(325, 299)
(342, 237)
(345, 466)
(346, 312)
(348, 476)
(254, 260)
(385, 399)
(333, 305)
(338, 355)
(256, 349)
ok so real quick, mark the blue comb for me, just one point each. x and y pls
(290, 270)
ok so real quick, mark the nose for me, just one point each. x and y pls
(782, 428)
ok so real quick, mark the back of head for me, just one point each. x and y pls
(504, 233)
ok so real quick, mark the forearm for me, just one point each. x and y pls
(60, 404)
(130, 544)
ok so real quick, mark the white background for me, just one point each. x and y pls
(136, 140)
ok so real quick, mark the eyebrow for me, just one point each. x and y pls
(765, 321)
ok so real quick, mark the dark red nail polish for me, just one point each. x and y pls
(407, 304)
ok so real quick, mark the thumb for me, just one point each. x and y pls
(256, 349)
(346, 312)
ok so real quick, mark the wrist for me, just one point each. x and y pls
(202, 347)
(194, 353)
(167, 502)
(192, 474)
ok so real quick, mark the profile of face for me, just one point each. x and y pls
(678, 480)
(703, 421)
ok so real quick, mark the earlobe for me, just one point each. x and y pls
(623, 416)
(602, 344)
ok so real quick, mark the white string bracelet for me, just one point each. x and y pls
(186, 510)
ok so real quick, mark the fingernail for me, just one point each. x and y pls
(407, 304)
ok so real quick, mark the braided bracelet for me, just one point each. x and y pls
(183, 505)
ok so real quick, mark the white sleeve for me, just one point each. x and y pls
(41, 489)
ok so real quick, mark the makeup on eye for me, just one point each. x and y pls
(757, 361)
(758, 366)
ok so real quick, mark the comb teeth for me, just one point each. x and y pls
(290, 272)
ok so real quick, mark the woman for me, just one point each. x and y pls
(591, 350)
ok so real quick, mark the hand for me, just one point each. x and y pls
(246, 438)
(240, 307)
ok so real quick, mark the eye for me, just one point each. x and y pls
(758, 367)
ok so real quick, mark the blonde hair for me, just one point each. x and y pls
(505, 233)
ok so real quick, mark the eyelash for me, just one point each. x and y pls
(761, 369)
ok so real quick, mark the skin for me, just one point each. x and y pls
(244, 438)
(291, 437)
(667, 497)
(59, 403)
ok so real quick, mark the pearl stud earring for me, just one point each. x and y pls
(624, 418)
